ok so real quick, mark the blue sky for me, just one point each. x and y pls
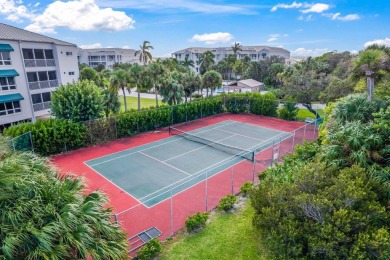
(304, 28)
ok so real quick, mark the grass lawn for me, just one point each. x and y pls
(228, 236)
(304, 113)
(132, 102)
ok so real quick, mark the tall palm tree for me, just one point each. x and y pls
(370, 62)
(135, 78)
(156, 70)
(187, 62)
(207, 59)
(235, 48)
(119, 80)
(144, 54)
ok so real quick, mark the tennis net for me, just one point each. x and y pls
(246, 154)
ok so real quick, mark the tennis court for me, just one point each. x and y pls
(153, 172)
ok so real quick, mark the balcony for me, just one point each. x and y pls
(40, 63)
(43, 84)
(41, 106)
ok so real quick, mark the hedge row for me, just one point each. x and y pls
(56, 136)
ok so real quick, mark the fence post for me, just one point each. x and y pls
(315, 127)
(31, 141)
(293, 142)
(272, 153)
(13, 144)
(116, 219)
(254, 169)
(186, 113)
(116, 129)
(304, 133)
(206, 191)
(172, 230)
(233, 177)
(280, 144)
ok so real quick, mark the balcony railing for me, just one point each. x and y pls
(39, 63)
(43, 84)
(41, 106)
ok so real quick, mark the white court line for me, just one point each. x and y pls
(241, 135)
(164, 163)
(196, 149)
(195, 175)
(259, 126)
(157, 145)
(113, 183)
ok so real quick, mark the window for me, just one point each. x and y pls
(69, 53)
(32, 77)
(9, 108)
(7, 83)
(41, 97)
(49, 54)
(5, 58)
(71, 72)
(39, 54)
(52, 75)
(28, 54)
(42, 76)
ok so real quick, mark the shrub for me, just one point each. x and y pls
(150, 250)
(246, 188)
(227, 202)
(196, 221)
(289, 111)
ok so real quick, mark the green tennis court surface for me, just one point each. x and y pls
(151, 172)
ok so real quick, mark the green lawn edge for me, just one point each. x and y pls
(227, 236)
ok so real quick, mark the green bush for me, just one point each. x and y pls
(289, 111)
(246, 188)
(150, 250)
(227, 202)
(196, 221)
(51, 136)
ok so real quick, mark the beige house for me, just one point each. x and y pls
(250, 85)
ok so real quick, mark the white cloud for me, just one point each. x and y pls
(275, 37)
(213, 38)
(337, 16)
(82, 15)
(91, 46)
(385, 41)
(15, 10)
(308, 52)
(126, 47)
(316, 8)
(170, 6)
(354, 52)
(306, 18)
(286, 6)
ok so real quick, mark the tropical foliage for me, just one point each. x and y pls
(46, 215)
(79, 101)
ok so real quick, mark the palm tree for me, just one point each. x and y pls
(135, 78)
(370, 62)
(156, 70)
(119, 80)
(211, 80)
(235, 48)
(46, 215)
(143, 52)
(206, 60)
(191, 82)
(172, 89)
(187, 62)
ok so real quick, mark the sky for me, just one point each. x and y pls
(303, 28)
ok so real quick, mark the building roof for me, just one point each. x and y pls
(8, 32)
(244, 48)
(250, 83)
(108, 49)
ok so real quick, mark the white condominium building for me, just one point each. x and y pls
(31, 67)
(106, 56)
(255, 53)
